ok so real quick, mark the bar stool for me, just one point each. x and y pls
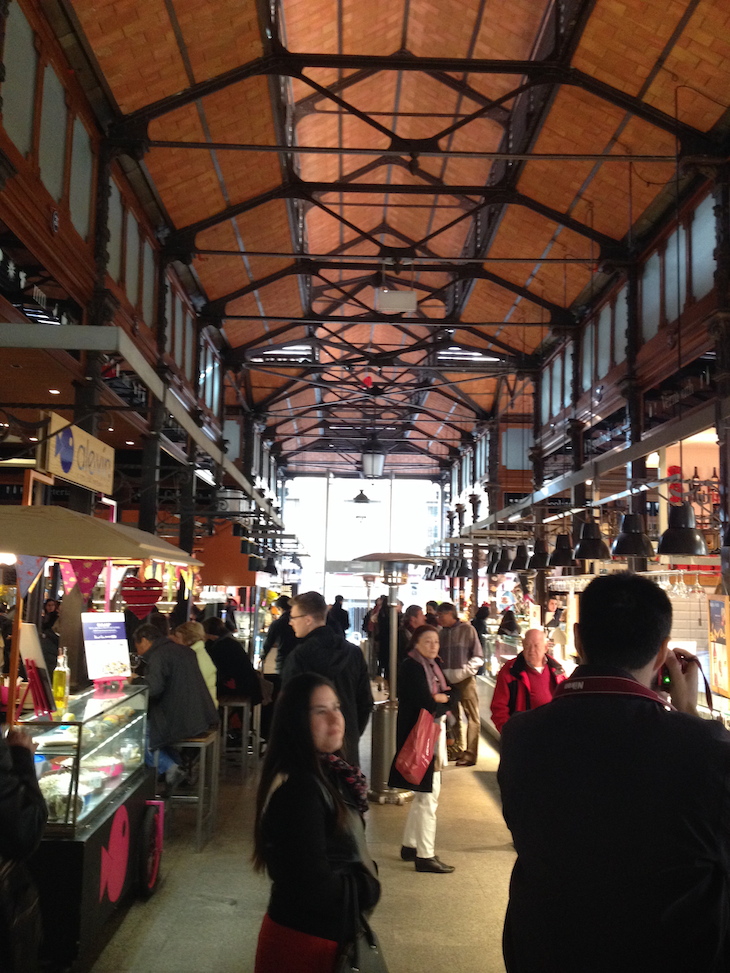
(250, 748)
(205, 796)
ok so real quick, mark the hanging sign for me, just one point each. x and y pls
(79, 457)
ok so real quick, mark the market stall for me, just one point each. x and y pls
(104, 837)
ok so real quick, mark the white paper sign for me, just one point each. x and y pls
(105, 641)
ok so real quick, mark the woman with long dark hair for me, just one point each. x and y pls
(309, 834)
(422, 685)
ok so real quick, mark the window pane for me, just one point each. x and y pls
(18, 90)
(650, 295)
(703, 245)
(148, 284)
(675, 269)
(189, 346)
(52, 148)
(546, 413)
(588, 358)
(115, 233)
(603, 356)
(131, 272)
(620, 324)
(82, 174)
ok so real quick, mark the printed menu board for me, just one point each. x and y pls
(718, 644)
(105, 641)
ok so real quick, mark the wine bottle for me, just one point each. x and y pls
(715, 488)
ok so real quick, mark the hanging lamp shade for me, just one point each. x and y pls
(562, 556)
(464, 569)
(453, 567)
(539, 559)
(373, 457)
(505, 561)
(270, 566)
(440, 570)
(681, 536)
(493, 560)
(521, 558)
(591, 546)
(632, 541)
(361, 498)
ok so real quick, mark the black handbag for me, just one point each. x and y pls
(363, 954)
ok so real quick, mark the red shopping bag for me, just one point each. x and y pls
(419, 749)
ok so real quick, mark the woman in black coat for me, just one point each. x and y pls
(422, 685)
(309, 834)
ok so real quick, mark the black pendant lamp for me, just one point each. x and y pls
(505, 561)
(464, 569)
(562, 556)
(632, 541)
(539, 559)
(682, 536)
(440, 570)
(591, 546)
(521, 558)
(453, 567)
(493, 560)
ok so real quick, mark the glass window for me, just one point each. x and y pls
(148, 284)
(650, 298)
(603, 342)
(620, 324)
(178, 332)
(515, 447)
(189, 346)
(114, 247)
(557, 392)
(52, 147)
(82, 178)
(703, 246)
(546, 381)
(169, 329)
(131, 267)
(18, 89)
(675, 270)
(588, 358)
(568, 374)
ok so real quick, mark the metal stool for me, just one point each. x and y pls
(250, 748)
(208, 747)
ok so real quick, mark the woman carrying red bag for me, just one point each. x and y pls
(421, 685)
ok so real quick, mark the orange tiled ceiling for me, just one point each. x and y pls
(497, 252)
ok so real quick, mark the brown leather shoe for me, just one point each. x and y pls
(465, 762)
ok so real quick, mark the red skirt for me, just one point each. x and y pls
(284, 950)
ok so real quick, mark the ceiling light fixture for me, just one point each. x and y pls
(373, 457)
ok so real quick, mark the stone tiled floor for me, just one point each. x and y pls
(206, 914)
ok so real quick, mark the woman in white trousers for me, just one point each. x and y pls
(422, 685)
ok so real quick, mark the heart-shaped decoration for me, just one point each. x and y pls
(141, 596)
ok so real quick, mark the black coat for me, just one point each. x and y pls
(311, 861)
(327, 653)
(282, 634)
(180, 704)
(640, 880)
(236, 675)
(413, 696)
(22, 807)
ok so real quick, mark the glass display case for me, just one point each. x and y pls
(87, 752)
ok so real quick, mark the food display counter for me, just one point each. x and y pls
(102, 844)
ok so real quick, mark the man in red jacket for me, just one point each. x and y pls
(528, 681)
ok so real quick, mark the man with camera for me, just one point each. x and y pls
(640, 789)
